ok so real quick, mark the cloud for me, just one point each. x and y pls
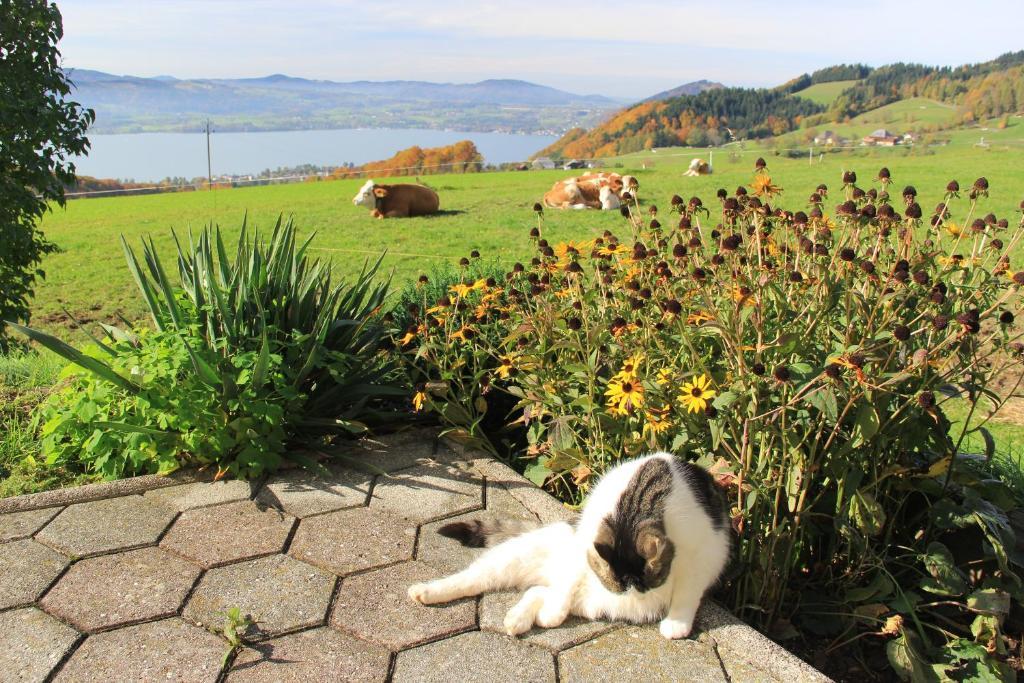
(618, 48)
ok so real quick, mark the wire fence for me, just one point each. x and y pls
(355, 173)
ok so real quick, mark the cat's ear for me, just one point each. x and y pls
(651, 543)
(604, 551)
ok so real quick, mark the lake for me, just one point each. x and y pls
(146, 157)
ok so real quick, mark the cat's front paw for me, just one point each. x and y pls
(518, 621)
(551, 616)
(423, 594)
(674, 628)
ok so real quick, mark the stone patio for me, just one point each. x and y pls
(131, 580)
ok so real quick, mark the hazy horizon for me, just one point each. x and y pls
(626, 50)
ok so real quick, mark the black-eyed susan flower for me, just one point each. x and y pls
(763, 186)
(657, 420)
(630, 367)
(624, 396)
(696, 393)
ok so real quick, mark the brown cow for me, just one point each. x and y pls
(575, 193)
(397, 201)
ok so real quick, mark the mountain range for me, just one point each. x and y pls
(280, 102)
(125, 103)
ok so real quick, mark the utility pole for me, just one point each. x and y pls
(209, 167)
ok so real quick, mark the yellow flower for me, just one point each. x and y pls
(624, 396)
(743, 296)
(763, 186)
(418, 399)
(505, 366)
(464, 334)
(657, 420)
(480, 284)
(407, 338)
(664, 377)
(953, 229)
(695, 394)
(699, 317)
(630, 367)
(460, 289)
(612, 248)
(628, 327)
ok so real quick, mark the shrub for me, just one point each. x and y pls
(806, 361)
(246, 356)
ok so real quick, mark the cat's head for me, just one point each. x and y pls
(624, 558)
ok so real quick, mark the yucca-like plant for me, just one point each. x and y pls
(249, 355)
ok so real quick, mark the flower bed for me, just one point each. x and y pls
(805, 359)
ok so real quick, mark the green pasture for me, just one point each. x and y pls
(824, 93)
(489, 212)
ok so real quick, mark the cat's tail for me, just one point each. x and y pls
(479, 533)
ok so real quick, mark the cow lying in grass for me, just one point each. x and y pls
(589, 191)
(397, 201)
(698, 167)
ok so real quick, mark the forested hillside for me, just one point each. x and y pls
(979, 91)
(461, 157)
(712, 117)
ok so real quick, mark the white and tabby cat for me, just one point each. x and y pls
(652, 538)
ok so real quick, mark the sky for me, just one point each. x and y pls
(625, 49)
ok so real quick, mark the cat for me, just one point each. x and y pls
(653, 536)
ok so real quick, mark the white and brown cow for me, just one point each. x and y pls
(699, 167)
(589, 191)
(397, 201)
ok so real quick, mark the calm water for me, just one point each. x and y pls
(153, 156)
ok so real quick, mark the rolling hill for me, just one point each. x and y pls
(841, 93)
(280, 102)
(691, 88)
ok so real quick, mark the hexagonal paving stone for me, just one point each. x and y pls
(27, 568)
(103, 525)
(168, 650)
(279, 593)
(429, 492)
(303, 493)
(375, 606)
(321, 654)
(220, 534)
(32, 643)
(475, 656)
(450, 556)
(640, 653)
(573, 631)
(187, 496)
(353, 540)
(123, 588)
(390, 452)
(17, 525)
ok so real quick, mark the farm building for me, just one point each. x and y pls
(882, 138)
(543, 162)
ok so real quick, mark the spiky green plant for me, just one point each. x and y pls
(249, 354)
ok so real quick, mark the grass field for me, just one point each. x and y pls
(824, 93)
(490, 212)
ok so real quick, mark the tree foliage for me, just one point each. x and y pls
(710, 117)
(986, 89)
(40, 130)
(460, 157)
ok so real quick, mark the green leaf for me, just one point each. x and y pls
(537, 472)
(73, 355)
(989, 601)
(938, 560)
